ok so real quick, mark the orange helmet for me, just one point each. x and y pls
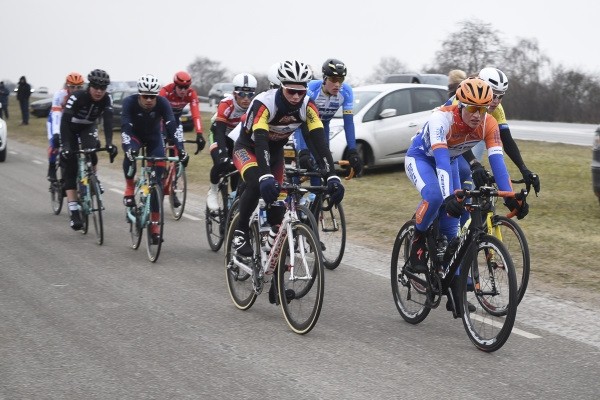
(74, 79)
(474, 91)
(182, 78)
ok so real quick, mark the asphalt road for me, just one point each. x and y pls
(82, 321)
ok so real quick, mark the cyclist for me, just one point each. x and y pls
(229, 112)
(179, 93)
(78, 126)
(431, 163)
(271, 119)
(74, 81)
(141, 121)
(329, 94)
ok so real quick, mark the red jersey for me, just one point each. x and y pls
(178, 103)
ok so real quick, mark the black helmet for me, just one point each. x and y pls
(333, 67)
(99, 77)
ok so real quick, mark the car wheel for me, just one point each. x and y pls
(3, 154)
(362, 150)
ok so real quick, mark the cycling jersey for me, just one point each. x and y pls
(178, 103)
(227, 117)
(81, 112)
(56, 110)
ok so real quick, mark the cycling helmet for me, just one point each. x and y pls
(74, 79)
(474, 91)
(495, 78)
(333, 67)
(244, 82)
(99, 77)
(294, 72)
(273, 79)
(148, 84)
(182, 78)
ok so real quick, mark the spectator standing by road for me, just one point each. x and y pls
(3, 100)
(23, 93)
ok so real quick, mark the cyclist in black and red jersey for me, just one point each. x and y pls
(272, 118)
(78, 125)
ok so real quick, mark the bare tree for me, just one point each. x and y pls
(386, 66)
(206, 72)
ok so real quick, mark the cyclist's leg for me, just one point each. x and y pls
(249, 198)
(70, 178)
(155, 148)
(129, 171)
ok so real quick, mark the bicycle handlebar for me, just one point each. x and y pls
(491, 191)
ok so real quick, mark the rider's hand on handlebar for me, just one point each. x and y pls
(519, 203)
(454, 206)
(480, 176)
(200, 142)
(112, 152)
(184, 157)
(306, 161)
(131, 154)
(355, 162)
(531, 179)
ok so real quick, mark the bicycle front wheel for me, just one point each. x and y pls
(154, 233)
(239, 281)
(178, 192)
(495, 289)
(513, 238)
(215, 221)
(95, 209)
(410, 294)
(301, 278)
(332, 233)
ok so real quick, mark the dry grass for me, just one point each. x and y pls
(562, 226)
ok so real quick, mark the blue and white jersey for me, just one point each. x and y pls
(58, 102)
(328, 105)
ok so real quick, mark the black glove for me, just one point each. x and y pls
(223, 162)
(131, 154)
(66, 154)
(454, 207)
(480, 176)
(200, 142)
(269, 188)
(112, 152)
(519, 203)
(335, 189)
(306, 161)
(531, 179)
(55, 141)
(184, 157)
(355, 161)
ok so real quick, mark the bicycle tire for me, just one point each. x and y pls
(306, 217)
(84, 205)
(178, 188)
(496, 287)
(153, 248)
(332, 233)
(410, 296)
(57, 192)
(302, 312)
(95, 209)
(215, 220)
(135, 227)
(513, 238)
(239, 282)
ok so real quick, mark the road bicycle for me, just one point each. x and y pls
(512, 236)
(148, 211)
(57, 190)
(217, 221)
(175, 182)
(89, 192)
(293, 264)
(486, 276)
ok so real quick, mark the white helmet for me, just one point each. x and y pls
(273, 79)
(148, 84)
(294, 72)
(244, 82)
(495, 78)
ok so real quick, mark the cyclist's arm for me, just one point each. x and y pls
(315, 139)
(107, 116)
(195, 110)
(348, 116)
(496, 154)
(171, 124)
(65, 126)
(127, 121)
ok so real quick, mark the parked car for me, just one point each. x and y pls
(386, 117)
(431, 79)
(596, 163)
(119, 95)
(218, 92)
(3, 140)
(41, 108)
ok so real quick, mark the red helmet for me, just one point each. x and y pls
(182, 78)
(74, 79)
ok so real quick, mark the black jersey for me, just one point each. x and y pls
(81, 111)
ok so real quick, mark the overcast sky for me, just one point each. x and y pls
(45, 40)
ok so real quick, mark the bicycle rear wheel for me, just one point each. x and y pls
(84, 205)
(215, 221)
(57, 193)
(495, 289)
(301, 270)
(239, 282)
(332, 233)
(178, 191)
(513, 238)
(95, 209)
(410, 295)
(155, 226)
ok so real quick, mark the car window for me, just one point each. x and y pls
(398, 100)
(425, 99)
(361, 99)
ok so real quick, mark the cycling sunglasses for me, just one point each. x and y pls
(293, 91)
(245, 94)
(472, 109)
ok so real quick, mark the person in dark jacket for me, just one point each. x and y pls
(23, 94)
(4, 93)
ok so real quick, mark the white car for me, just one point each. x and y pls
(386, 117)
(3, 134)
